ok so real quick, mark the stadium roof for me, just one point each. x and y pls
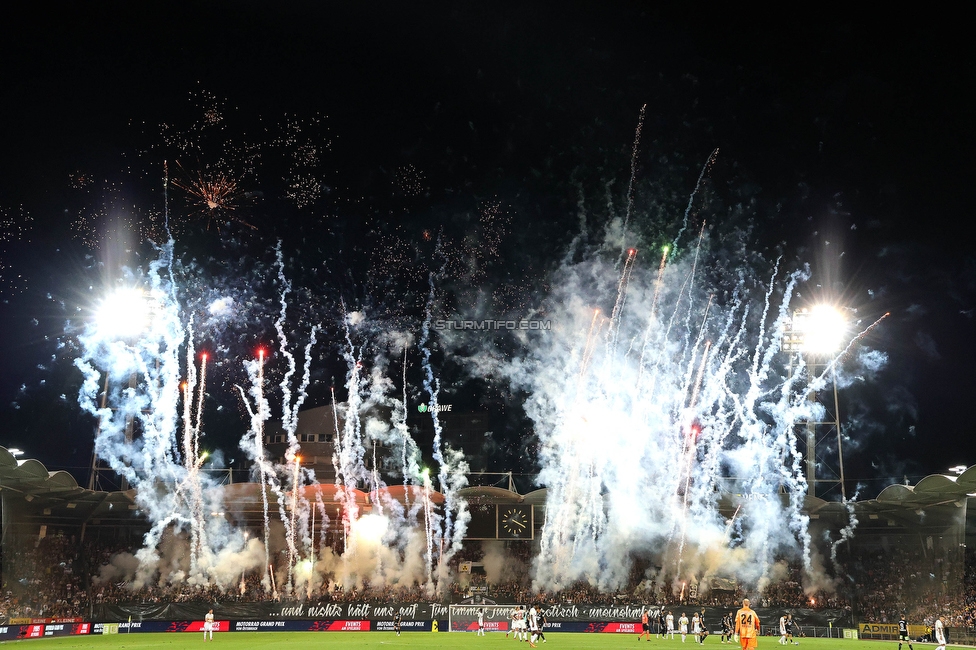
(56, 496)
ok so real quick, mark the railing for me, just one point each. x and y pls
(819, 632)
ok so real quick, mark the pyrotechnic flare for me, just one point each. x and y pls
(253, 445)
(297, 535)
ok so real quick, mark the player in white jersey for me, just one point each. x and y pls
(511, 618)
(519, 624)
(940, 636)
(481, 622)
(790, 624)
(696, 626)
(533, 626)
(669, 621)
(683, 627)
(208, 625)
(782, 629)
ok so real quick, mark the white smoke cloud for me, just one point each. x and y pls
(222, 307)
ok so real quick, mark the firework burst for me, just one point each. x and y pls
(214, 195)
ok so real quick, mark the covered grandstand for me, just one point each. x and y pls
(908, 541)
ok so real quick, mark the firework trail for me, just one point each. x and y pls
(652, 316)
(588, 346)
(846, 533)
(691, 199)
(618, 305)
(348, 455)
(191, 456)
(252, 443)
(633, 168)
(452, 469)
(291, 404)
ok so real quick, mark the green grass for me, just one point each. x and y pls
(422, 640)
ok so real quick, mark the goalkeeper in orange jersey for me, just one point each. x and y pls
(747, 626)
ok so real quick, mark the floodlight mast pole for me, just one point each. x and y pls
(840, 439)
(93, 475)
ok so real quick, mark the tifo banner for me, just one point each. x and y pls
(274, 613)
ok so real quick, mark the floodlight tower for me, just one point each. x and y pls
(122, 315)
(815, 335)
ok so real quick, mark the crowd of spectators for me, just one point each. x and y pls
(918, 583)
(49, 580)
(58, 577)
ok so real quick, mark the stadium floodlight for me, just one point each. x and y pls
(124, 313)
(818, 333)
(16, 452)
(957, 470)
(821, 329)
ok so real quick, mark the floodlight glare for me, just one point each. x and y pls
(823, 329)
(123, 314)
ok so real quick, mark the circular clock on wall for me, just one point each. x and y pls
(515, 521)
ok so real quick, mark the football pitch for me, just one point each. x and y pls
(419, 640)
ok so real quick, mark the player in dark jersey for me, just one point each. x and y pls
(727, 628)
(397, 619)
(903, 633)
(703, 630)
(660, 622)
(791, 626)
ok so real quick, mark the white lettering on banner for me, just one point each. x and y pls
(388, 625)
(437, 610)
(410, 611)
(293, 611)
(253, 626)
(490, 611)
(557, 611)
(361, 610)
(325, 611)
(613, 612)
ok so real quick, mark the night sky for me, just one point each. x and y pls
(360, 133)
